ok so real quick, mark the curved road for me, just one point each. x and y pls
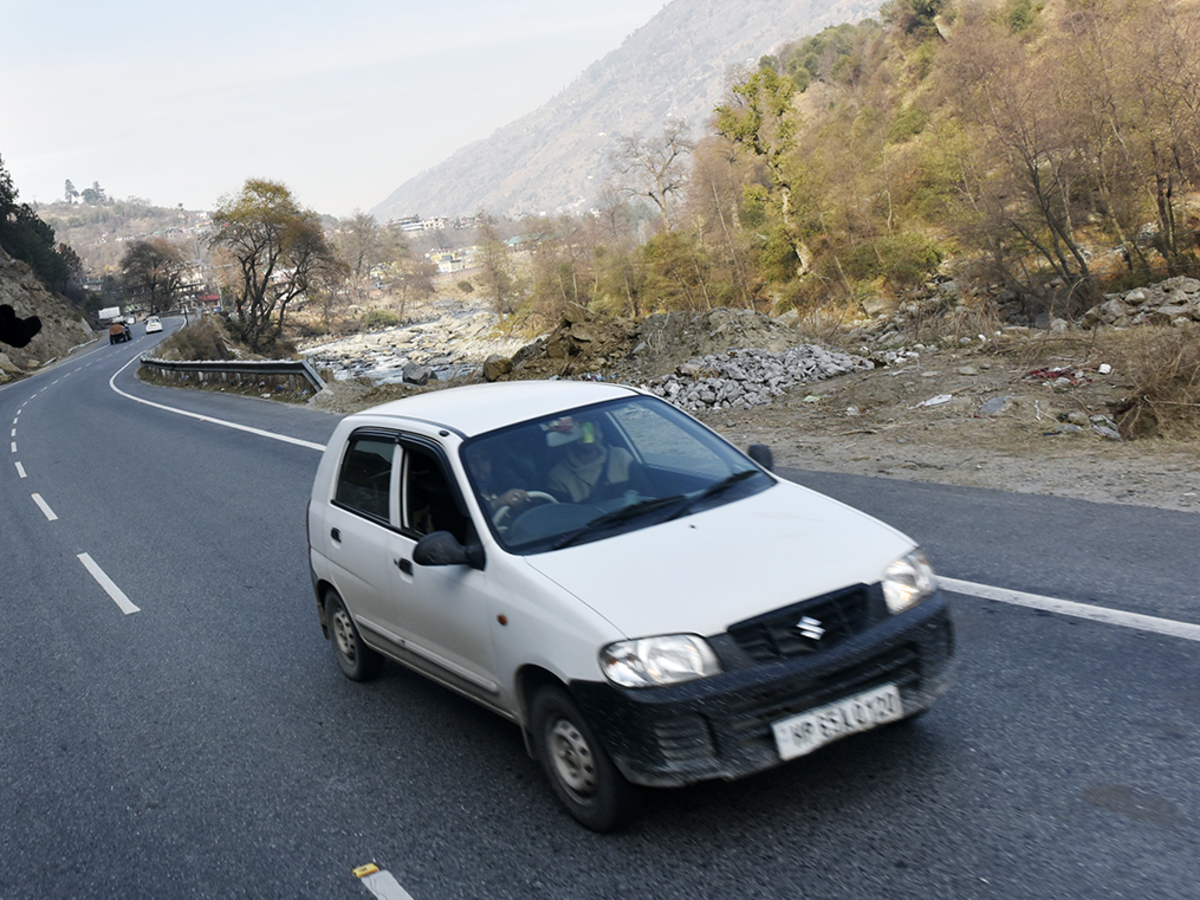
(172, 724)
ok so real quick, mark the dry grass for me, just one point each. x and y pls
(205, 339)
(1163, 365)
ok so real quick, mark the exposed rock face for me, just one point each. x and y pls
(63, 326)
(1175, 301)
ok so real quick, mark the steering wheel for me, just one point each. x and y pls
(501, 516)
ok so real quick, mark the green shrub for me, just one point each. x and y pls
(381, 318)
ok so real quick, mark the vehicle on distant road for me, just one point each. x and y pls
(118, 332)
(153, 324)
(647, 603)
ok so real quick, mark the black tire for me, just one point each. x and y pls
(579, 769)
(357, 661)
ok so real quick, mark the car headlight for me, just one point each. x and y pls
(908, 581)
(655, 661)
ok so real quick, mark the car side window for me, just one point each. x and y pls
(364, 481)
(427, 499)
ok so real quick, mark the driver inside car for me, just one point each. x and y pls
(490, 482)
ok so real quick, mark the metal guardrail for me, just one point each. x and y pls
(223, 368)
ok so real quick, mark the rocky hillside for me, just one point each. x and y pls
(674, 66)
(63, 326)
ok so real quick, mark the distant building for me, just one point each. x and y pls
(416, 223)
(448, 261)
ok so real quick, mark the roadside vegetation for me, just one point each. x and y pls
(956, 165)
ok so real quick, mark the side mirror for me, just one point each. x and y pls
(762, 455)
(441, 548)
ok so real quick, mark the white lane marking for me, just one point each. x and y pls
(14, 433)
(1169, 627)
(384, 886)
(183, 412)
(44, 507)
(108, 584)
(14, 446)
(20, 470)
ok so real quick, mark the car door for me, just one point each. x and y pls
(443, 614)
(357, 526)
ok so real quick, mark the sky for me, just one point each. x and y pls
(341, 100)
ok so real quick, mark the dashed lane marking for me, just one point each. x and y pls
(44, 507)
(381, 883)
(1169, 627)
(20, 470)
(110, 587)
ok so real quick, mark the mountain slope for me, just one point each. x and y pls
(63, 326)
(676, 65)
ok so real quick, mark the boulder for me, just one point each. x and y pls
(496, 367)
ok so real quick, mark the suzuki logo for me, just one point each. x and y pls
(810, 628)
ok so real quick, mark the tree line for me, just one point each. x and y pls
(24, 236)
(1003, 140)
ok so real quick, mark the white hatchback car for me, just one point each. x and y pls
(153, 324)
(649, 605)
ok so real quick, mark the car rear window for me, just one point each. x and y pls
(365, 477)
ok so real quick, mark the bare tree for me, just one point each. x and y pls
(358, 240)
(654, 167)
(496, 275)
(153, 271)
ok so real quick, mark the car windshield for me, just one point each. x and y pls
(586, 474)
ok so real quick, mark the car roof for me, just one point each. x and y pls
(479, 408)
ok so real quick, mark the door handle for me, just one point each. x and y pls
(335, 533)
(404, 565)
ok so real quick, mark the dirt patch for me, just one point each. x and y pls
(977, 420)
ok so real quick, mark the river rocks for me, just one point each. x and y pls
(450, 340)
(413, 373)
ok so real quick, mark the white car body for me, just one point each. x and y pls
(515, 626)
(153, 324)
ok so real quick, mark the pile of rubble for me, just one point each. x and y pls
(1175, 301)
(585, 345)
(751, 377)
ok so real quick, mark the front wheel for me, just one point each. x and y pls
(580, 770)
(357, 661)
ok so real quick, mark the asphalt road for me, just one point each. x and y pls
(207, 746)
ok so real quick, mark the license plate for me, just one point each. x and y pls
(804, 733)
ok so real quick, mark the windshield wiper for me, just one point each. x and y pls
(711, 491)
(624, 514)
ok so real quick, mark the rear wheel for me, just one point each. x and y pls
(583, 776)
(357, 661)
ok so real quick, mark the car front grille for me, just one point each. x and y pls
(805, 627)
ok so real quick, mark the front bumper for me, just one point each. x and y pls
(720, 727)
